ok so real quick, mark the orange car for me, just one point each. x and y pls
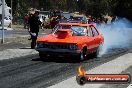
(71, 39)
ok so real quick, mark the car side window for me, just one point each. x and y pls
(95, 32)
(90, 32)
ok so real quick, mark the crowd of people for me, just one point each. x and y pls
(102, 20)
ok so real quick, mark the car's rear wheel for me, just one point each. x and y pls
(99, 49)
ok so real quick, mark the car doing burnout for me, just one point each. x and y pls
(71, 39)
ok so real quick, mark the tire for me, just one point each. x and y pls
(99, 49)
(83, 54)
(42, 55)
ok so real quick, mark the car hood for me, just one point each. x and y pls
(70, 39)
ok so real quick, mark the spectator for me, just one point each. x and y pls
(63, 19)
(34, 24)
(25, 21)
(114, 19)
(53, 22)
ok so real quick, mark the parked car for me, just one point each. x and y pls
(71, 39)
(78, 19)
(7, 21)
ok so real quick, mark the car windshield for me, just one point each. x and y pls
(77, 30)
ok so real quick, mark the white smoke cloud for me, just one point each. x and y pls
(116, 35)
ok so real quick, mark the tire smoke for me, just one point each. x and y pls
(116, 35)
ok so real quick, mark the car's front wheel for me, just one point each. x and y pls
(83, 54)
(99, 49)
(42, 55)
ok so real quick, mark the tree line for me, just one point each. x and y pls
(96, 8)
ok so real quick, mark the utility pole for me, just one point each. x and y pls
(11, 13)
(3, 16)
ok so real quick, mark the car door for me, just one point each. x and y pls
(96, 37)
(91, 40)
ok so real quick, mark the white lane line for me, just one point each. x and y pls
(115, 66)
(13, 53)
(130, 86)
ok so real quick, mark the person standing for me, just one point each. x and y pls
(25, 21)
(62, 20)
(34, 24)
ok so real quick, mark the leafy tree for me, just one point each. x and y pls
(96, 8)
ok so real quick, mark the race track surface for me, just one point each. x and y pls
(32, 72)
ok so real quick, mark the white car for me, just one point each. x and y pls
(7, 22)
(43, 18)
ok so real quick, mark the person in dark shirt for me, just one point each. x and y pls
(53, 22)
(34, 24)
(25, 21)
(63, 20)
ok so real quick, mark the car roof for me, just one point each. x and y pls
(78, 15)
(75, 24)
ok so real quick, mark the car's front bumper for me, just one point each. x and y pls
(58, 51)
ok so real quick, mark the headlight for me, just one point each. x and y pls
(73, 46)
(40, 45)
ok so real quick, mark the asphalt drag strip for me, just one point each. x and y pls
(31, 72)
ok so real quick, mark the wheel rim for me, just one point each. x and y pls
(83, 55)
